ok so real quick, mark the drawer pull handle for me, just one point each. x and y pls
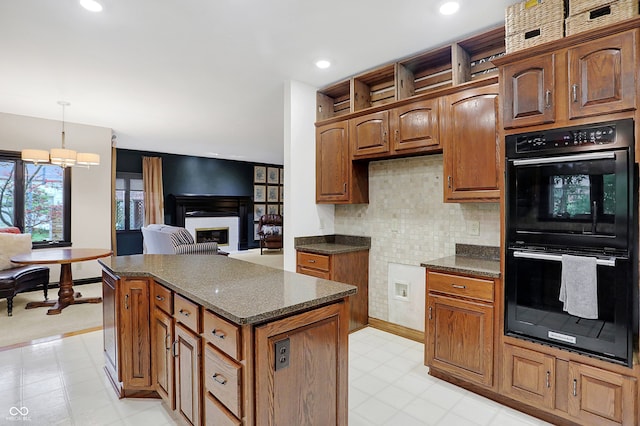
(216, 376)
(312, 261)
(160, 298)
(458, 286)
(548, 382)
(575, 387)
(219, 335)
(574, 92)
(184, 312)
(547, 99)
(167, 344)
(126, 301)
(174, 349)
(430, 312)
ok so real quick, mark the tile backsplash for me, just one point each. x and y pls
(409, 223)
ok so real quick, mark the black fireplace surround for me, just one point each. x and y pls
(205, 205)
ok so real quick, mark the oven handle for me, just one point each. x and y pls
(558, 258)
(566, 158)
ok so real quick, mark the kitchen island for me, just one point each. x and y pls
(224, 341)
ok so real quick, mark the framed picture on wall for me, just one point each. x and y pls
(259, 174)
(282, 194)
(281, 208)
(259, 193)
(258, 210)
(255, 232)
(281, 176)
(273, 175)
(272, 194)
(273, 209)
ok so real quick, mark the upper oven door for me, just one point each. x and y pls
(571, 200)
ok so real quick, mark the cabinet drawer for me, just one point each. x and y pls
(313, 261)
(222, 334)
(455, 285)
(187, 312)
(216, 415)
(162, 297)
(222, 378)
(314, 273)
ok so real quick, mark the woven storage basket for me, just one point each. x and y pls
(534, 36)
(598, 13)
(523, 16)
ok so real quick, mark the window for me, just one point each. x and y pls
(129, 201)
(36, 198)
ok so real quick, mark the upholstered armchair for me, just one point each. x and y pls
(270, 231)
(166, 239)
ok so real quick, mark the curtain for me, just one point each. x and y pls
(153, 194)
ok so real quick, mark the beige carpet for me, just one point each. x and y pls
(272, 258)
(29, 324)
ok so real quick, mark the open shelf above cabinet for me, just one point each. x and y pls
(420, 74)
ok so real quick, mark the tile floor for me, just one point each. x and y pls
(62, 383)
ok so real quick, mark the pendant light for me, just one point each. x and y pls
(62, 157)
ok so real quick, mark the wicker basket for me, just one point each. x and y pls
(598, 13)
(534, 36)
(522, 17)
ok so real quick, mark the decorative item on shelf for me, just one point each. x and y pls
(273, 175)
(533, 22)
(61, 156)
(585, 15)
(259, 174)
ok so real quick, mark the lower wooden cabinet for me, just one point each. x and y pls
(581, 393)
(187, 370)
(459, 326)
(349, 268)
(163, 338)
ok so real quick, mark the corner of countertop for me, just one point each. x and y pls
(348, 240)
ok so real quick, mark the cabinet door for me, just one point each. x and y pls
(529, 92)
(187, 374)
(415, 127)
(136, 336)
(528, 376)
(471, 146)
(162, 332)
(308, 386)
(601, 397)
(369, 134)
(460, 338)
(110, 326)
(602, 76)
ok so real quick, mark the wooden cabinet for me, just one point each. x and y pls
(162, 338)
(338, 179)
(187, 371)
(301, 369)
(529, 92)
(602, 76)
(459, 326)
(349, 268)
(404, 130)
(589, 79)
(471, 145)
(127, 337)
(581, 393)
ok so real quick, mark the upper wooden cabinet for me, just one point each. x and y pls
(404, 130)
(592, 78)
(338, 179)
(471, 145)
(529, 92)
(602, 76)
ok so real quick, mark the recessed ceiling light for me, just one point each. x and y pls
(449, 8)
(91, 5)
(323, 63)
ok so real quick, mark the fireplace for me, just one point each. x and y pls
(213, 211)
(213, 235)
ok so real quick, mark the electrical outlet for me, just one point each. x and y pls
(473, 227)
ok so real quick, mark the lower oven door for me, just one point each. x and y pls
(533, 309)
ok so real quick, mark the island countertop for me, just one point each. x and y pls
(242, 292)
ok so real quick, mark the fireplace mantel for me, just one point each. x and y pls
(205, 205)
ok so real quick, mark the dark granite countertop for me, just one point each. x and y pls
(242, 292)
(332, 244)
(473, 260)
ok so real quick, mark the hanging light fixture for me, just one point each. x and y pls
(62, 157)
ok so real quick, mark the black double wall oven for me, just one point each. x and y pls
(572, 191)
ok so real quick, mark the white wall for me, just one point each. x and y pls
(90, 188)
(302, 216)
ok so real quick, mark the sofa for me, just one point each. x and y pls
(14, 278)
(167, 239)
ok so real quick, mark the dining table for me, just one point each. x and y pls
(64, 257)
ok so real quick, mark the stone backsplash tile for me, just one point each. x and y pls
(409, 223)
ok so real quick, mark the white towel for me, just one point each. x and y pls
(579, 286)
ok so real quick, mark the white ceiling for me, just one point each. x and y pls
(199, 77)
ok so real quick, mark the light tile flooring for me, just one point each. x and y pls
(62, 383)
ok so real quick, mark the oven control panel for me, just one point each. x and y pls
(553, 139)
